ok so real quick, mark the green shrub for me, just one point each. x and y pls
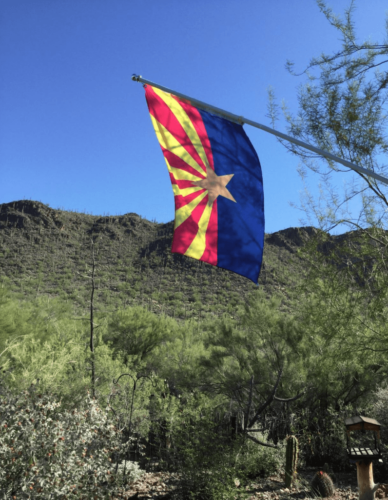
(200, 456)
(258, 461)
(61, 364)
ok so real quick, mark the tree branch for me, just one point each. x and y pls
(269, 399)
(262, 443)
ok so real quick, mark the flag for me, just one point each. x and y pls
(217, 183)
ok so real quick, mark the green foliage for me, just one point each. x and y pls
(205, 464)
(128, 472)
(328, 336)
(322, 436)
(178, 360)
(254, 461)
(258, 344)
(134, 333)
(347, 333)
(209, 464)
(343, 110)
(61, 363)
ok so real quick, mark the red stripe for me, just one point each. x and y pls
(196, 120)
(177, 162)
(210, 254)
(180, 183)
(164, 115)
(187, 231)
(181, 201)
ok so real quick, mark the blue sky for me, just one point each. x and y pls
(74, 129)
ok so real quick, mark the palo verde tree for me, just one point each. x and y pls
(343, 110)
(252, 362)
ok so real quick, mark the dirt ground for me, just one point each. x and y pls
(158, 485)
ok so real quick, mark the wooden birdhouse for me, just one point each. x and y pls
(362, 451)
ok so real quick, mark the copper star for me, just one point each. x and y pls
(215, 185)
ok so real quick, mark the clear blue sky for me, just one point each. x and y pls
(74, 129)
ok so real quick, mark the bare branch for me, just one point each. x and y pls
(262, 443)
(288, 400)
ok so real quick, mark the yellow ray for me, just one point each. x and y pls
(169, 142)
(185, 191)
(198, 244)
(185, 121)
(184, 212)
(182, 175)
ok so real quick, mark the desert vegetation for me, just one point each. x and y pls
(211, 401)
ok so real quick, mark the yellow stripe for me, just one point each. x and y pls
(184, 212)
(186, 123)
(185, 191)
(198, 244)
(182, 175)
(169, 142)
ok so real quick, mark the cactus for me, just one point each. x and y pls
(292, 450)
(322, 485)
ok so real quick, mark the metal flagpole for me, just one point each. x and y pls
(241, 120)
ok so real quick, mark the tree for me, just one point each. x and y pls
(136, 332)
(342, 109)
(253, 362)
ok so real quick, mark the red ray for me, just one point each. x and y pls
(186, 232)
(196, 120)
(181, 201)
(164, 115)
(181, 183)
(177, 162)
(210, 253)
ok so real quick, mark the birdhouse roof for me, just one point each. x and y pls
(362, 423)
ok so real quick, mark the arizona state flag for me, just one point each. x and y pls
(217, 182)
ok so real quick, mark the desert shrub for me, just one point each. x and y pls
(128, 472)
(259, 461)
(61, 364)
(46, 452)
(135, 333)
(203, 459)
(322, 438)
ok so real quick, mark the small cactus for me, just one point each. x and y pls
(322, 485)
(292, 450)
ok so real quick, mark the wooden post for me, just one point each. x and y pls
(366, 485)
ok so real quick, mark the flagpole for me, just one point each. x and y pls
(241, 120)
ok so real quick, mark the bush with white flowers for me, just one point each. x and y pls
(129, 472)
(47, 453)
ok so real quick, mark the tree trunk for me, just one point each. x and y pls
(366, 485)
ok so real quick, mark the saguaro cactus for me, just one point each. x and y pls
(292, 451)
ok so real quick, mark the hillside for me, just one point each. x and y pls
(49, 252)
